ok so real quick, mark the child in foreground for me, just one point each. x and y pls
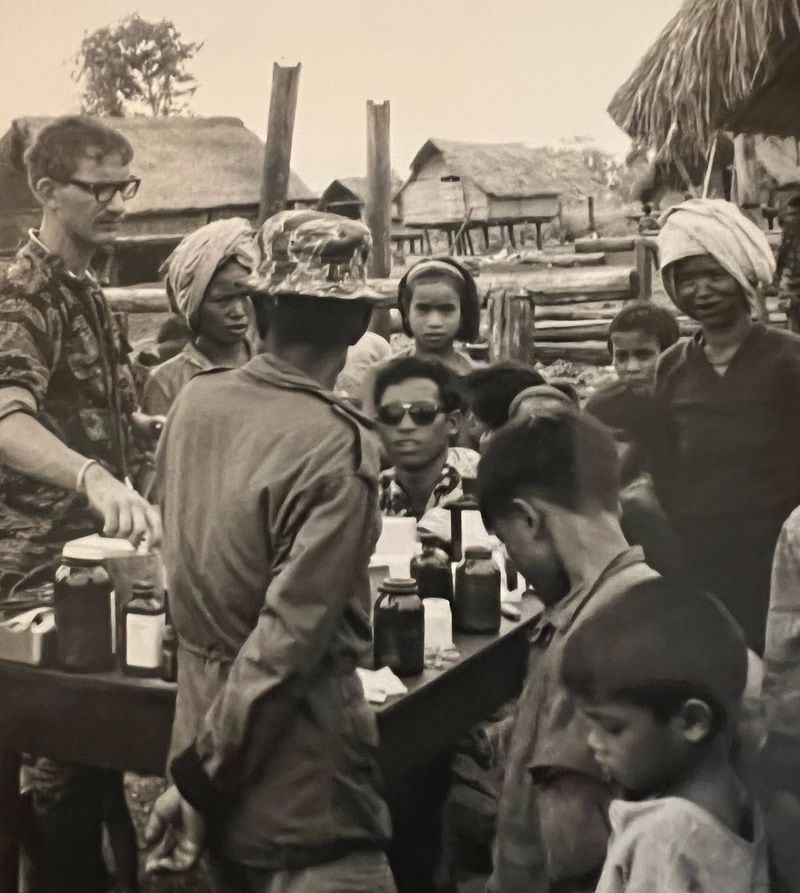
(659, 676)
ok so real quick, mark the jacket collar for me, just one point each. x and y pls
(268, 368)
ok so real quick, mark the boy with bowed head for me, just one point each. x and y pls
(206, 279)
(658, 676)
(548, 487)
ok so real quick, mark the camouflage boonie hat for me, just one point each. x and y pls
(316, 254)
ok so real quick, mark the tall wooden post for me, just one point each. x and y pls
(378, 210)
(280, 130)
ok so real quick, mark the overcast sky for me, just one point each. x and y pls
(534, 71)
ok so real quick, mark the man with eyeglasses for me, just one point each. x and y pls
(418, 405)
(70, 439)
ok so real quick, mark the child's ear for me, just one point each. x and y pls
(531, 516)
(696, 720)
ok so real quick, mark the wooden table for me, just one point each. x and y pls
(125, 723)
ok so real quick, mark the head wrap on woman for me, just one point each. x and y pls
(716, 227)
(451, 270)
(191, 266)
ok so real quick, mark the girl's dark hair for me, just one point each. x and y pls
(490, 391)
(468, 294)
(402, 368)
(649, 318)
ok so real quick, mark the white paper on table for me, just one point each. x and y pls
(379, 684)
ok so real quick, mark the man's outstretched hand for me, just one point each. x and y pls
(177, 830)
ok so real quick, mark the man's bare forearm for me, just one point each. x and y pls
(29, 448)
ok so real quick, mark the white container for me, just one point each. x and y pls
(28, 638)
(398, 537)
(438, 624)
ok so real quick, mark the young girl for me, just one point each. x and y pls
(658, 675)
(439, 305)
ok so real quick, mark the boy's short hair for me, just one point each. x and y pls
(402, 368)
(567, 459)
(490, 392)
(648, 318)
(657, 646)
(437, 268)
(57, 150)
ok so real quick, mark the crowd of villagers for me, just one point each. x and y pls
(656, 743)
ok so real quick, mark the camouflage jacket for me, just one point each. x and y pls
(59, 343)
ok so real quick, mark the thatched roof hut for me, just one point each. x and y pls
(718, 65)
(193, 170)
(348, 196)
(497, 183)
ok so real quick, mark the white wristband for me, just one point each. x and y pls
(80, 480)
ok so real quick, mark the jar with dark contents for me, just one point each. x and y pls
(477, 595)
(431, 570)
(82, 604)
(399, 622)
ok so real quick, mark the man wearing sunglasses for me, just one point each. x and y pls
(418, 406)
(67, 426)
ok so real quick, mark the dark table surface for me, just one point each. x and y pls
(123, 722)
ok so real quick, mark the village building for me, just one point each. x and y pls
(348, 196)
(478, 185)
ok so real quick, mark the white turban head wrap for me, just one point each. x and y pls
(716, 227)
(188, 271)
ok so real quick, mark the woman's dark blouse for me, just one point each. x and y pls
(729, 445)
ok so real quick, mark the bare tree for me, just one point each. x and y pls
(135, 66)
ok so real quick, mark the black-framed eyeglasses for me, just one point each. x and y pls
(422, 412)
(105, 192)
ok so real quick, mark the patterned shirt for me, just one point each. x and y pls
(64, 358)
(461, 463)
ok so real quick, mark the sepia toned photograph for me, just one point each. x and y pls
(400, 446)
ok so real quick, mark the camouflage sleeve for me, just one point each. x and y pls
(30, 338)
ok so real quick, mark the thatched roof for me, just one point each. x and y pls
(718, 65)
(504, 170)
(514, 170)
(185, 163)
(352, 189)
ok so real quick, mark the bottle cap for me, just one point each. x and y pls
(141, 588)
(399, 586)
(477, 552)
(82, 552)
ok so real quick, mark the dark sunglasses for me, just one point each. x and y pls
(422, 412)
(105, 192)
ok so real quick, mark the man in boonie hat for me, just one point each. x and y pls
(269, 588)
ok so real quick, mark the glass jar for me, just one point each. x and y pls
(83, 605)
(399, 628)
(143, 624)
(431, 570)
(477, 595)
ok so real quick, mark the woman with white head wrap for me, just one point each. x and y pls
(727, 463)
(206, 277)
